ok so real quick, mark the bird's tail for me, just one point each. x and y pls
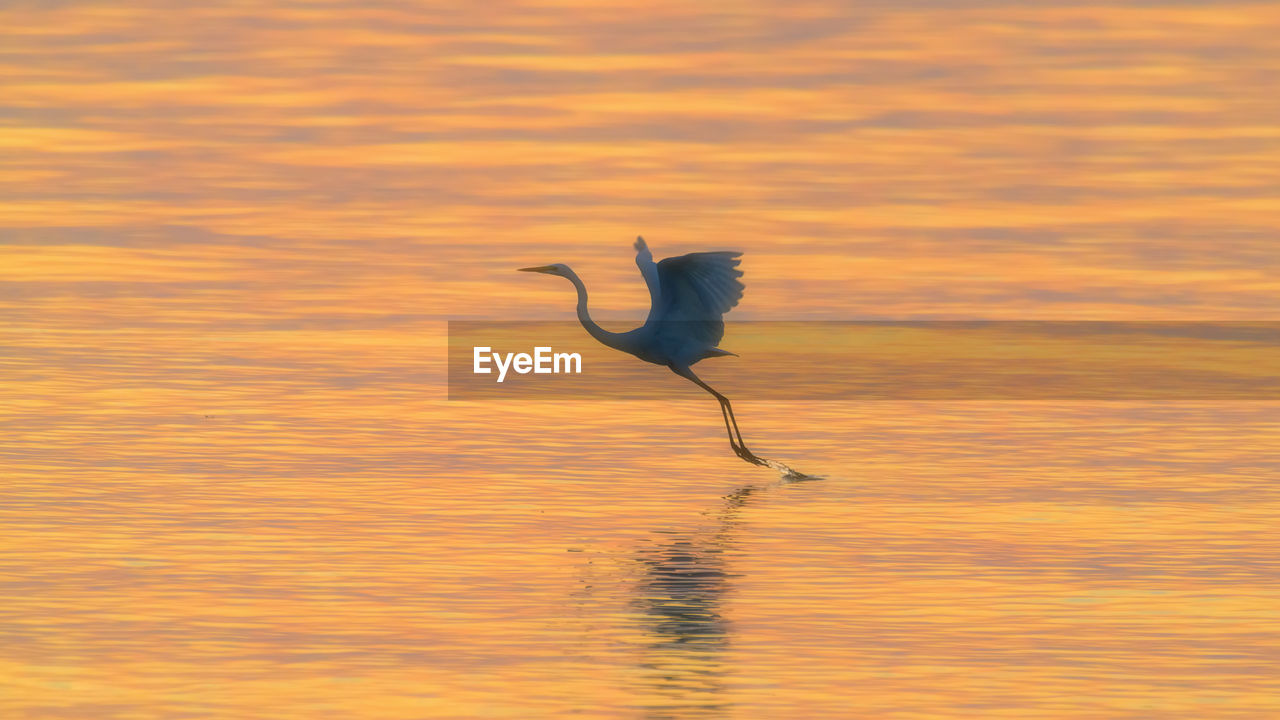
(717, 352)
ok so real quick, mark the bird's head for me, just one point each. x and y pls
(557, 269)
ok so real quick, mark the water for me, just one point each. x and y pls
(233, 486)
(1035, 560)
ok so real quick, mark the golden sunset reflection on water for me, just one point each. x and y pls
(232, 235)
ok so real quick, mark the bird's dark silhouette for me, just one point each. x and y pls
(689, 296)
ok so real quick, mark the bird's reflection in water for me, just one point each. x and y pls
(680, 599)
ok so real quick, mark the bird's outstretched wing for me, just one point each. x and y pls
(644, 261)
(697, 289)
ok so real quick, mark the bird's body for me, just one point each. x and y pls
(688, 297)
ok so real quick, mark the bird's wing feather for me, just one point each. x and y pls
(697, 289)
(644, 261)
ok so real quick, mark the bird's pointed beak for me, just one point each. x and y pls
(540, 268)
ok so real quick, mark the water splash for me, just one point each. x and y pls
(788, 473)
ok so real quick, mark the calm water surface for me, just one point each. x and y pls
(233, 488)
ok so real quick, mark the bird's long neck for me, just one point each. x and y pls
(605, 337)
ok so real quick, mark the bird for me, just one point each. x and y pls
(689, 295)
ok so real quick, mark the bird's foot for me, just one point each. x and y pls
(745, 454)
(788, 473)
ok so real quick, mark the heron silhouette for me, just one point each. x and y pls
(689, 295)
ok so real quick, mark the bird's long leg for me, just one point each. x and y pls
(742, 450)
(734, 420)
(727, 428)
(725, 414)
(726, 410)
